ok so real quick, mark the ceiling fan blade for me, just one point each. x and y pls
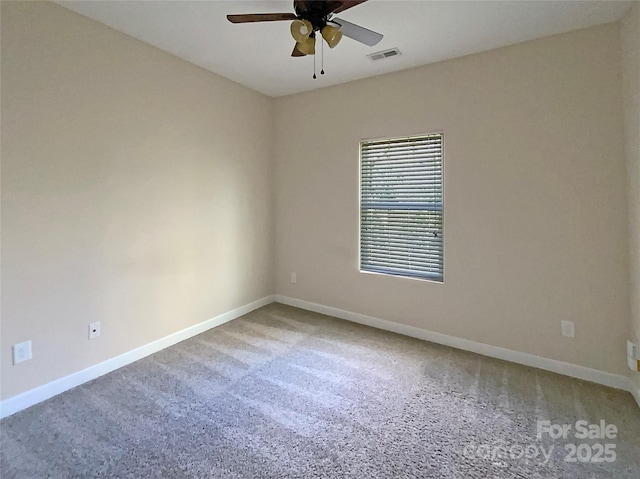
(261, 17)
(296, 52)
(357, 33)
(347, 4)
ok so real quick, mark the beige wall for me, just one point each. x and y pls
(535, 204)
(135, 191)
(630, 35)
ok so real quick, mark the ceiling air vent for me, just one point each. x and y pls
(392, 52)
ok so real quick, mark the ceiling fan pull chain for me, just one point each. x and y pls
(314, 67)
(321, 57)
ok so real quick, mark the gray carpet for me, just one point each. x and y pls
(285, 393)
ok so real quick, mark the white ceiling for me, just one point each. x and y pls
(257, 55)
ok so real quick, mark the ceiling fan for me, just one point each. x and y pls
(315, 16)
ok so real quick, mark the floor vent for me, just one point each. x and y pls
(392, 52)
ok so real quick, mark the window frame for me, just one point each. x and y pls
(436, 278)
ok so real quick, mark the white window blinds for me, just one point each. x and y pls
(401, 207)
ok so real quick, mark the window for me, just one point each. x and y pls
(401, 207)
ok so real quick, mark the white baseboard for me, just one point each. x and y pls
(22, 401)
(573, 370)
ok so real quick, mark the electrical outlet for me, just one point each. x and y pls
(633, 356)
(94, 330)
(568, 329)
(21, 352)
(293, 277)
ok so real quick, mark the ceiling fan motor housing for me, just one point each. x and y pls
(315, 12)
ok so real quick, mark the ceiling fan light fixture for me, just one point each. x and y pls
(332, 35)
(301, 29)
(308, 46)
